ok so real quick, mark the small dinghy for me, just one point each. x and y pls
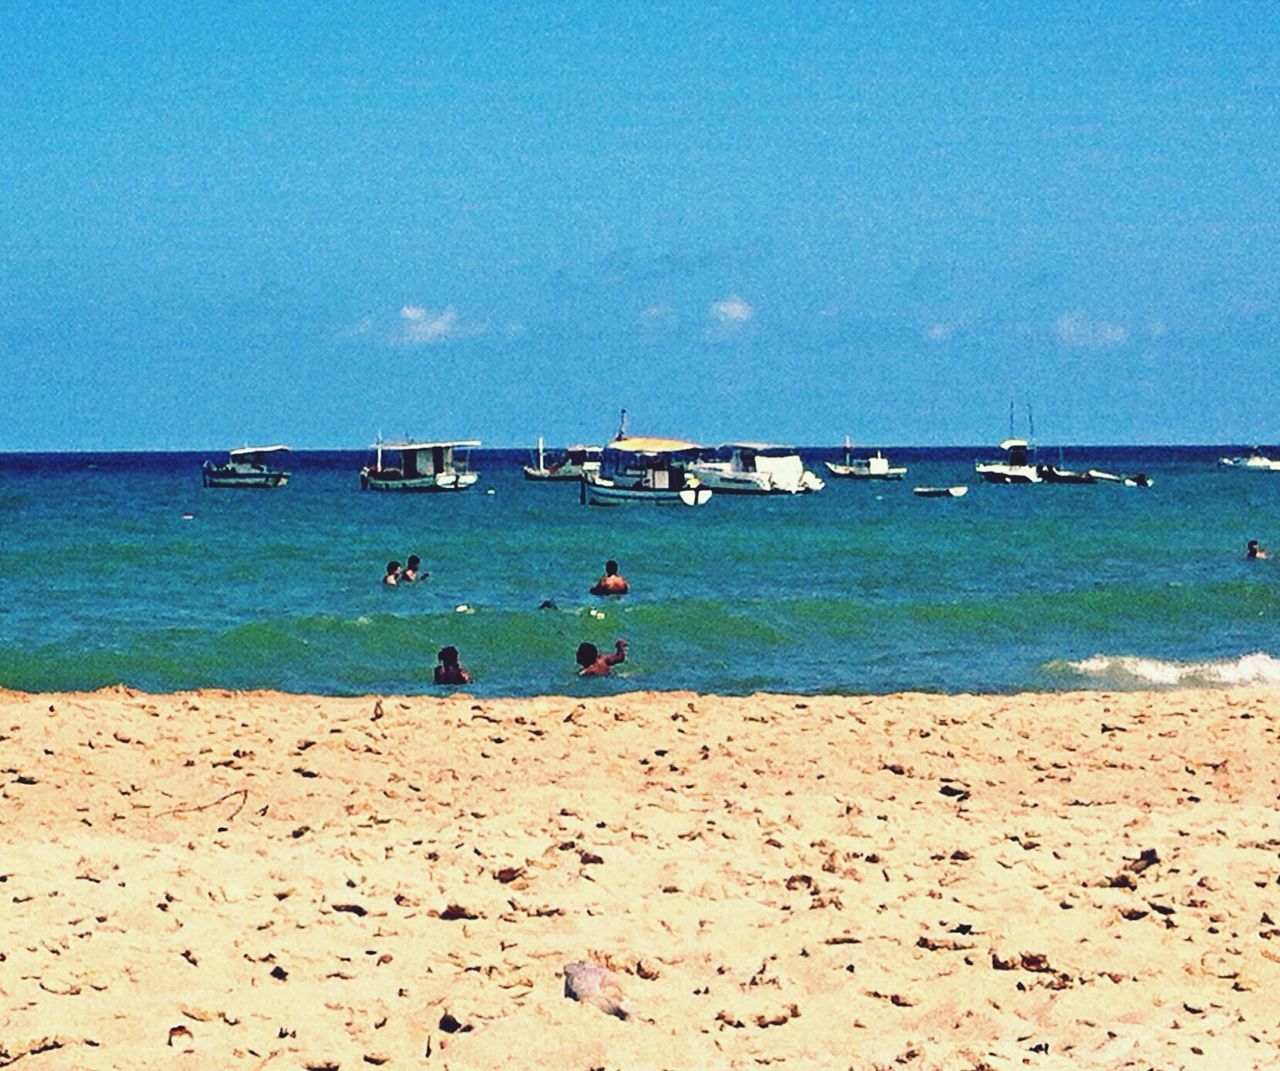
(941, 492)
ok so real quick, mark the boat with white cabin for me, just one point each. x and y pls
(574, 462)
(876, 467)
(756, 469)
(1255, 462)
(423, 466)
(643, 469)
(247, 466)
(1017, 466)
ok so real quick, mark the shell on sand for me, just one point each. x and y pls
(590, 984)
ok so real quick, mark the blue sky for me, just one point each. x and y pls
(795, 222)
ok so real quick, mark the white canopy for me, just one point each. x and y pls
(242, 451)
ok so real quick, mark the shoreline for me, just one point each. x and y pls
(262, 879)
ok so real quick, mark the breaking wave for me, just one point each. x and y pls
(1133, 670)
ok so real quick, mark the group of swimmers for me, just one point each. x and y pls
(407, 575)
(591, 661)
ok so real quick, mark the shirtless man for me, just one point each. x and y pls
(611, 583)
(393, 571)
(449, 671)
(1253, 551)
(594, 664)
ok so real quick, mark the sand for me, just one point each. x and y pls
(255, 880)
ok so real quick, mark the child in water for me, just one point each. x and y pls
(448, 671)
(594, 664)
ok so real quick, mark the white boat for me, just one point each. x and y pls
(1017, 466)
(640, 469)
(1257, 462)
(876, 467)
(941, 492)
(246, 466)
(757, 469)
(1139, 479)
(573, 465)
(436, 466)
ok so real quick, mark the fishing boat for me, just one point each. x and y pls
(1255, 462)
(435, 466)
(246, 466)
(876, 467)
(1017, 466)
(941, 492)
(641, 469)
(573, 465)
(756, 469)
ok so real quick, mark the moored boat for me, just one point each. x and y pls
(574, 463)
(875, 467)
(1017, 466)
(757, 469)
(941, 492)
(642, 469)
(424, 466)
(1057, 474)
(1255, 462)
(246, 466)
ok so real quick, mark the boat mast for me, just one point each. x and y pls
(541, 466)
(622, 426)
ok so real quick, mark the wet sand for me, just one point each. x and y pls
(255, 880)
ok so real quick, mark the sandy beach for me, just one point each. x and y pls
(257, 880)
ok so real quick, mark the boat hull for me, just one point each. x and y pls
(997, 472)
(564, 474)
(443, 482)
(941, 492)
(861, 472)
(213, 477)
(602, 493)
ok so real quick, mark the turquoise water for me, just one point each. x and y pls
(860, 588)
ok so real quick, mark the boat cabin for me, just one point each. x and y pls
(1016, 451)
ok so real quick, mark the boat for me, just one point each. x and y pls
(941, 492)
(1017, 466)
(1139, 479)
(1256, 462)
(642, 469)
(424, 466)
(876, 467)
(1056, 474)
(577, 461)
(246, 466)
(757, 469)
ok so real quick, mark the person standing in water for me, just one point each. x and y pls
(594, 664)
(449, 671)
(612, 583)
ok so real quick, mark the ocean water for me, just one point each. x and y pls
(862, 588)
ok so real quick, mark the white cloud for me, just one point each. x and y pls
(940, 332)
(1076, 329)
(423, 326)
(658, 315)
(731, 310)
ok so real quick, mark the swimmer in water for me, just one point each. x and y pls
(611, 583)
(410, 573)
(393, 571)
(448, 671)
(594, 664)
(1253, 551)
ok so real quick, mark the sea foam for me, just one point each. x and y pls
(1256, 668)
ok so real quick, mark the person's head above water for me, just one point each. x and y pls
(610, 568)
(448, 656)
(414, 562)
(587, 654)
